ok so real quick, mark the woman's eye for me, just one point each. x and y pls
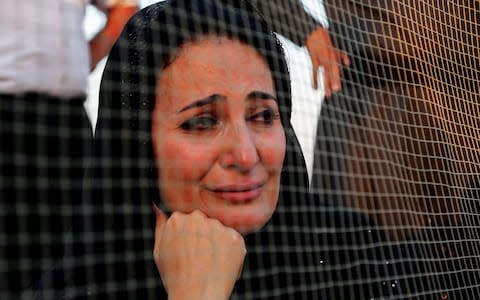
(199, 124)
(265, 117)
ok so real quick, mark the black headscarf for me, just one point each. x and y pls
(115, 234)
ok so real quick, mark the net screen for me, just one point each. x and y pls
(286, 149)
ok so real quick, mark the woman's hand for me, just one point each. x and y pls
(197, 257)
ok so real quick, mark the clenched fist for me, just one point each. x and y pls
(197, 257)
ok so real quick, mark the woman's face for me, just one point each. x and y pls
(217, 137)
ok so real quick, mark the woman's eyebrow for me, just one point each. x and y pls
(202, 102)
(259, 95)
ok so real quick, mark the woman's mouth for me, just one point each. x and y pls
(239, 193)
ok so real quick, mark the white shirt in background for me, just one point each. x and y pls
(43, 48)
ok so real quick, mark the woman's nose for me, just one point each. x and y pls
(240, 149)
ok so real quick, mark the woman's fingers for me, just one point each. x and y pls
(324, 54)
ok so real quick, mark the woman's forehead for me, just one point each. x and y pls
(215, 66)
(207, 49)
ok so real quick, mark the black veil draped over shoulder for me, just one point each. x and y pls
(306, 251)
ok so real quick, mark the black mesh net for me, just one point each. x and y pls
(380, 204)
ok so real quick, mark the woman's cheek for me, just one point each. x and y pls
(188, 160)
(180, 174)
(273, 150)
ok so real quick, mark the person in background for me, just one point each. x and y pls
(45, 134)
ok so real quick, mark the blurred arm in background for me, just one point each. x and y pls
(117, 13)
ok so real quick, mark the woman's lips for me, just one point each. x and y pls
(239, 194)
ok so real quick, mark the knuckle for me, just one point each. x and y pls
(216, 224)
(236, 237)
(175, 215)
(175, 219)
(197, 214)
